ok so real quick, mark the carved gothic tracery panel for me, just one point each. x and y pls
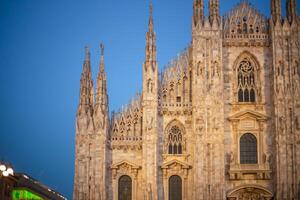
(246, 81)
(175, 140)
(247, 84)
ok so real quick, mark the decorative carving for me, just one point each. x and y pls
(150, 86)
(250, 193)
(232, 158)
(245, 26)
(175, 88)
(149, 123)
(247, 81)
(174, 142)
(149, 192)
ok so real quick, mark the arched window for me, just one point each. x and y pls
(175, 140)
(248, 149)
(125, 188)
(175, 188)
(246, 81)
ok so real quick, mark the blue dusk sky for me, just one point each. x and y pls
(41, 55)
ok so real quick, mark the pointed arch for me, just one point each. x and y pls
(174, 137)
(247, 78)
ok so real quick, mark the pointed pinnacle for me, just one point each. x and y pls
(102, 49)
(87, 53)
(151, 14)
(102, 58)
(151, 8)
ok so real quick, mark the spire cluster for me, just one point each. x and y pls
(214, 13)
(87, 98)
(291, 13)
(198, 12)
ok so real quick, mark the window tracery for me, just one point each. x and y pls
(246, 81)
(174, 141)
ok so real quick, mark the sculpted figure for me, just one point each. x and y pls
(149, 123)
(232, 158)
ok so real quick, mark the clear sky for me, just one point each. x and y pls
(41, 55)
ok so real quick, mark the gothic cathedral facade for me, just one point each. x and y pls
(221, 122)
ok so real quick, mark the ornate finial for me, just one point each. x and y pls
(102, 49)
(151, 16)
(101, 58)
(151, 8)
(87, 53)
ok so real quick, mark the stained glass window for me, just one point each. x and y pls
(175, 188)
(175, 140)
(125, 188)
(248, 149)
(246, 81)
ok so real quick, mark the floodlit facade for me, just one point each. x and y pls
(222, 121)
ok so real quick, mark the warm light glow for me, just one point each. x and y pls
(5, 173)
(10, 171)
(2, 167)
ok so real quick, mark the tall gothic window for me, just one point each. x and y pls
(125, 188)
(248, 149)
(175, 188)
(246, 81)
(175, 140)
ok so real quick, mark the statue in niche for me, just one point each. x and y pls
(216, 69)
(215, 124)
(281, 124)
(232, 158)
(199, 68)
(297, 123)
(149, 123)
(150, 86)
(264, 158)
(149, 191)
(269, 159)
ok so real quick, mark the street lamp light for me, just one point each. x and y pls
(6, 170)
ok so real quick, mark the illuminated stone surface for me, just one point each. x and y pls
(240, 75)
